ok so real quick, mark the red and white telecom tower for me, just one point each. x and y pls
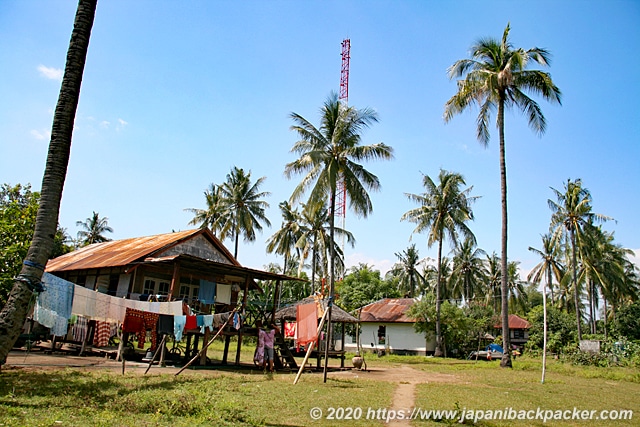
(341, 191)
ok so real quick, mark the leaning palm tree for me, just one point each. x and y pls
(330, 154)
(572, 215)
(496, 78)
(93, 229)
(444, 211)
(215, 215)
(406, 270)
(283, 242)
(14, 311)
(243, 202)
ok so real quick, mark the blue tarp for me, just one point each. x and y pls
(495, 347)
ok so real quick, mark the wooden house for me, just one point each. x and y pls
(192, 266)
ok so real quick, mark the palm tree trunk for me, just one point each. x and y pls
(605, 316)
(313, 267)
(14, 312)
(331, 280)
(544, 327)
(506, 339)
(575, 281)
(438, 352)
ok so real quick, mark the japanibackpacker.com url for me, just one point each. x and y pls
(349, 413)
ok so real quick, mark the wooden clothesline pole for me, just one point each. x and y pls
(204, 348)
(164, 337)
(306, 357)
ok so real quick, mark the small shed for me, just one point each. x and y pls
(338, 316)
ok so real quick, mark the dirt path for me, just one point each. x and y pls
(406, 378)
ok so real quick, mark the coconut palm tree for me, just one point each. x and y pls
(330, 154)
(406, 270)
(572, 215)
(496, 78)
(494, 280)
(283, 242)
(314, 239)
(549, 265)
(215, 215)
(14, 311)
(444, 210)
(469, 270)
(93, 229)
(242, 200)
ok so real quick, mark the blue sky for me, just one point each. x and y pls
(177, 93)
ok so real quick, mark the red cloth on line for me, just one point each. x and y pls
(133, 320)
(192, 323)
(151, 324)
(307, 320)
(290, 329)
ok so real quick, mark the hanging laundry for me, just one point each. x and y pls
(53, 305)
(220, 319)
(133, 320)
(80, 328)
(178, 326)
(207, 323)
(165, 324)
(102, 333)
(192, 323)
(207, 292)
(223, 294)
(236, 322)
(150, 324)
(290, 330)
(307, 319)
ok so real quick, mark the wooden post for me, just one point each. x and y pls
(244, 304)
(227, 341)
(205, 339)
(276, 300)
(175, 279)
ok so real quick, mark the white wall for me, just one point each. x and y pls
(400, 337)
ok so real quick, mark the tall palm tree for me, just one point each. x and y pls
(14, 311)
(496, 78)
(549, 266)
(330, 154)
(243, 202)
(93, 229)
(516, 287)
(215, 215)
(469, 270)
(572, 215)
(444, 210)
(406, 270)
(314, 239)
(283, 242)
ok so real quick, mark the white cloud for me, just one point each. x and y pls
(105, 124)
(50, 72)
(41, 136)
(121, 124)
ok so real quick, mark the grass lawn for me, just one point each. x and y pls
(73, 397)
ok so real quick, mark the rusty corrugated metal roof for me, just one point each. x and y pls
(119, 253)
(388, 310)
(515, 322)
